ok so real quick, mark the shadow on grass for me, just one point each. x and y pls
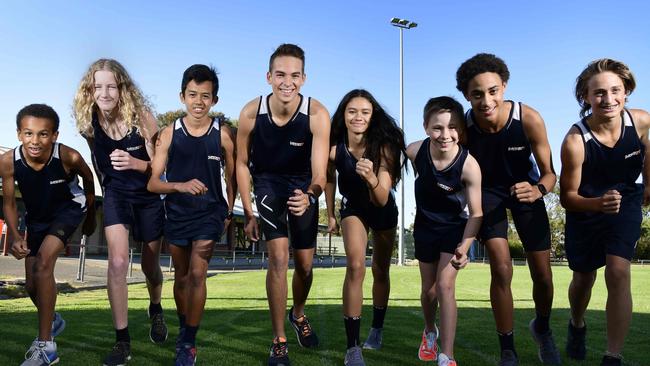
(241, 336)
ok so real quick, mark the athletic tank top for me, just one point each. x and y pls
(505, 157)
(195, 157)
(351, 186)
(47, 192)
(616, 167)
(440, 194)
(129, 182)
(284, 150)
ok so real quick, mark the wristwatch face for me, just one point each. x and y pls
(542, 189)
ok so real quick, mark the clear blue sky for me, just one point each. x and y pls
(46, 46)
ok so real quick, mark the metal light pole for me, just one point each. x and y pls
(401, 24)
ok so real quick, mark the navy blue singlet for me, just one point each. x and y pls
(195, 157)
(130, 182)
(505, 157)
(351, 186)
(616, 167)
(440, 194)
(284, 150)
(48, 192)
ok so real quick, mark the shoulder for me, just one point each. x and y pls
(333, 149)
(317, 109)
(413, 148)
(7, 162)
(250, 109)
(70, 156)
(530, 116)
(641, 118)
(573, 142)
(149, 124)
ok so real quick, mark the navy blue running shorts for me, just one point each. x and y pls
(531, 220)
(431, 239)
(589, 238)
(144, 218)
(62, 228)
(377, 218)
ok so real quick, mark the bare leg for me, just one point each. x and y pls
(276, 283)
(355, 238)
(500, 291)
(579, 295)
(197, 291)
(117, 237)
(151, 269)
(446, 290)
(43, 274)
(428, 299)
(619, 302)
(302, 278)
(383, 243)
(539, 264)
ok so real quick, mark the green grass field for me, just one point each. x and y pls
(236, 326)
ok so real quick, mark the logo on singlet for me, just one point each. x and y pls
(445, 187)
(214, 157)
(133, 148)
(516, 148)
(293, 143)
(57, 181)
(633, 153)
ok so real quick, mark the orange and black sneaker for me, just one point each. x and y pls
(306, 336)
(279, 353)
(428, 347)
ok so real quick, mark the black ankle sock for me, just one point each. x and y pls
(190, 334)
(122, 335)
(181, 320)
(352, 328)
(541, 323)
(378, 315)
(507, 341)
(155, 309)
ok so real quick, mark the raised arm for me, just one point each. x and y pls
(242, 172)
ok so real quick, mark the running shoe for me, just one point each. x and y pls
(58, 325)
(185, 355)
(576, 342)
(279, 353)
(354, 357)
(41, 353)
(547, 353)
(119, 355)
(158, 331)
(305, 334)
(508, 358)
(428, 347)
(374, 339)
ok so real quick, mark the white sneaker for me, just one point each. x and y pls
(41, 353)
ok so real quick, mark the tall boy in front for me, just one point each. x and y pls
(46, 173)
(191, 152)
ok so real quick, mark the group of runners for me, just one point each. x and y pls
(470, 169)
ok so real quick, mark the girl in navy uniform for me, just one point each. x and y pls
(508, 139)
(602, 157)
(366, 149)
(282, 142)
(114, 117)
(46, 173)
(448, 216)
(191, 152)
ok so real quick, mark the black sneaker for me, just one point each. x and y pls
(508, 358)
(575, 342)
(158, 330)
(610, 361)
(179, 339)
(279, 354)
(306, 336)
(547, 351)
(120, 354)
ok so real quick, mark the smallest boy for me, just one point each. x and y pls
(46, 173)
(191, 152)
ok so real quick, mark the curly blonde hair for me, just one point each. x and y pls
(132, 104)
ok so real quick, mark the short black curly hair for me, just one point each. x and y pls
(478, 64)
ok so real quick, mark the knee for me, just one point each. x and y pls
(356, 270)
(42, 267)
(445, 289)
(380, 274)
(428, 292)
(544, 280)
(616, 277)
(502, 273)
(278, 262)
(583, 281)
(303, 271)
(117, 266)
(197, 277)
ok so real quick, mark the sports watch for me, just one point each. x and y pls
(542, 189)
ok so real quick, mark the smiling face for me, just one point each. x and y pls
(286, 77)
(444, 130)
(198, 99)
(358, 113)
(485, 94)
(37, 137)
(606, 95)
(107, 94)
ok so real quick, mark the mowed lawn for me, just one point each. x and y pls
(236, 327)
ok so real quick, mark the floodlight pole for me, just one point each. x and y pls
(401, 24)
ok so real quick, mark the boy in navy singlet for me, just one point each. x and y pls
(282, 141)
(447, 186)
(191, 152)
(508, 139)
(602, 157)
(46, 173)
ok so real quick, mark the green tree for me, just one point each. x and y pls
(169, 117)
